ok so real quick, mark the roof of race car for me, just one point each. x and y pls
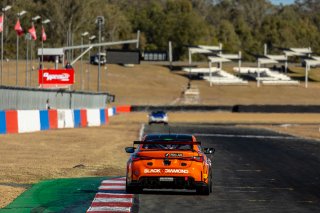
(168, 137)
(158, 112)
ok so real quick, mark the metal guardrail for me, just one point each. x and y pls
(18, 98)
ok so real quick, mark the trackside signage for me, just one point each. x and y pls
(59, 77)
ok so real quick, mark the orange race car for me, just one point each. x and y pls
(171, 161)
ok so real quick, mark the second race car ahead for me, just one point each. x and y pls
(172, 161)
(158, 117)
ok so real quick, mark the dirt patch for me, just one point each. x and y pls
(9, 193)
(29, 158)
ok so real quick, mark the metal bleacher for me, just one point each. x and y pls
(267, 76)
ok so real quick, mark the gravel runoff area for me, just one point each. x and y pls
(99, 151)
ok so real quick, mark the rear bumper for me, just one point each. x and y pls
(176, 183)
(158, 121)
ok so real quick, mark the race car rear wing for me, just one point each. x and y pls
(168, 142)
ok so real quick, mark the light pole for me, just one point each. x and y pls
(100, 22)
(88, 74)
(42, 39)
(27, 37)
(81, 75)
(4, 10)
(19, 15)
(34, 19)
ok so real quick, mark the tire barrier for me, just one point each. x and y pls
(235, 108)
(22, 121)
(182, 108)
(276, 109)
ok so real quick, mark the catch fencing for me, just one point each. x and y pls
(16, 98)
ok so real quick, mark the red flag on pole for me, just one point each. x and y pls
(33, 32)
(44, 36)
(18, 28)
(1, 23)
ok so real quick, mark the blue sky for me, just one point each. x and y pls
(282, 1)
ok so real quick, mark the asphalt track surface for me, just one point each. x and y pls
(254, 170)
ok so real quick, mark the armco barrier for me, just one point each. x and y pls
(182, 108)
(122, 109)
(13, 121)
(276, 108)
(235, 108)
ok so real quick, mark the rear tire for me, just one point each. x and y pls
(133, 189)
(206, 189)
(203, 190)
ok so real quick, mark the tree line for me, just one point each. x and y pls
(238, 24)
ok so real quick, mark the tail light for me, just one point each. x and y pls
(198, 158)
(137, 157)
(195, 158)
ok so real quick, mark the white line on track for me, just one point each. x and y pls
(246, 136)
(141, 132)
(255, 187)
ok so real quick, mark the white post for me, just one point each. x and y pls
(190, 62)
(240, 56)
(220, 47)
(210, 72)
(170, 54)
(286, 65)
(306, 75)
(258, 80)
(138, 39)
(265, 49)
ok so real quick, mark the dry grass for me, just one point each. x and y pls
(29, 158)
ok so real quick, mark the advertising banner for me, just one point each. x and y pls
(56, 78)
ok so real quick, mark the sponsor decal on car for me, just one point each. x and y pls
(176, 171)
(166, 171)
(173, 155)
(152, 171)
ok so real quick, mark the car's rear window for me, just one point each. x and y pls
(158, 113)
(167, 146)
(168, 137)
(165, 141)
